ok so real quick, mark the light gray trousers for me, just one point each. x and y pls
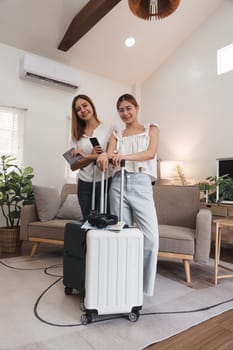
(138, 206)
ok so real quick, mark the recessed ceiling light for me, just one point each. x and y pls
(129, 42)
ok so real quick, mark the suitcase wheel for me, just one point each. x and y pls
(68, 290)
(133, 316)
(82, 306)
(85, 319)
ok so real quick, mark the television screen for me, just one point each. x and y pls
(224, 191)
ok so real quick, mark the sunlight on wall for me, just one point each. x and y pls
(182, 143)
(225, 59)
(168, 168)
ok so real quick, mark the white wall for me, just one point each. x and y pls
(46, 124)
(193, 105)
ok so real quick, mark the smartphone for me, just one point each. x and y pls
(94, 141)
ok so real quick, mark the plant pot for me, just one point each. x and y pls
(9, 239)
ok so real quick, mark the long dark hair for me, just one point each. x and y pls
(78, 125)
(126, 97)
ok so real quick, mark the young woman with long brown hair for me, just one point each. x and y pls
(86, 124)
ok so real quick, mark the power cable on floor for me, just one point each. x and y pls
(35, 308)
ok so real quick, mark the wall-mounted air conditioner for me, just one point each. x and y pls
(45, 71)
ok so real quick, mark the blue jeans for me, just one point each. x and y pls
(139, 207)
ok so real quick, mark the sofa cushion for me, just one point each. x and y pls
(70, 209)
(47, 201)
(176, 239)
(52, 229)
(177, 205)
(68, 189)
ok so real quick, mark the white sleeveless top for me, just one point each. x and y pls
(133, 144)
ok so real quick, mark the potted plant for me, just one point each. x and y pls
(15, 191)
(210, 184)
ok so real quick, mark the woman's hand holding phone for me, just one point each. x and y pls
(96, 145)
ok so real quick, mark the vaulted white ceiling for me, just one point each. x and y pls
(39, 26)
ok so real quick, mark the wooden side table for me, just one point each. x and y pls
(220, 224)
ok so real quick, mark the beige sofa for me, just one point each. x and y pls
(46, 231)
(184, 230)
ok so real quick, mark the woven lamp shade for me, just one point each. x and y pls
(153, 9)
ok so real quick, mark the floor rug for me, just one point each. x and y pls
(37, 315)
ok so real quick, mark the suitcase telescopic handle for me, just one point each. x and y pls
(122, 189)
(122, 164)
(103, 190)
(93, 187)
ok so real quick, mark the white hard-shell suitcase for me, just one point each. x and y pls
(114, 271)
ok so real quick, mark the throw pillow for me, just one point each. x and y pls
(47, 201)
(70, 209)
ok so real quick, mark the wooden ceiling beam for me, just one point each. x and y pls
(87, 18)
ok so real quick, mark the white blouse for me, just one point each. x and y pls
(102, 132)
(133, 144)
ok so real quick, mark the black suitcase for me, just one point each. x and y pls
(74, 258)
(74, 255)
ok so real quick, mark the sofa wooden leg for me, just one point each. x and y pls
(34, 247)
(187, 270)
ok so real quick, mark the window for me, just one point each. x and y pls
(225, 59)
(11, 132)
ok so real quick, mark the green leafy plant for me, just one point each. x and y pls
(181, 175)
(225, 183)
(15, 190)
(226, 189)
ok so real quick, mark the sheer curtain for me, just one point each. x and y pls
(12, 132)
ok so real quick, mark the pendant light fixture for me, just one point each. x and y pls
(153, 9)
